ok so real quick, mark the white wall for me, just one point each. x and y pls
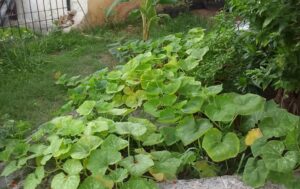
(81, 7)
(42, 11)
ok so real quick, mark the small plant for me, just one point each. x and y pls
(147, 11)
(149, 16)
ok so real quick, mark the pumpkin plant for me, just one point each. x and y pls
(148, 120)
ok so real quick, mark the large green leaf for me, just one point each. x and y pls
(274, 158)
(67, 126)
(136, 99)
(190, 130)
(99, 160)
(255, 173)
(114, 88)
(139, 183)
(153, 139)
(104, 107)
(292, 140)
(129, 128)
(219, 147)
(55, 144)
(72, 167)
(168, 115)
(171, 87)
(193, 106)
(119, 111)
(114, 143)
(84, 146)
(168, 100)
(91, 182)
(65, 148)
(99, 125)
(190, 87)
(227, 106)
(170, 135)
(278, 123)
(151, 107)
(189, 63)
(86, 108)
(154, 88)
(34, 179)
(257, 146)
(72, 128)
(198, 53)
(249, 104)
(118, 175)
(167, 167)
(137, 165)
(62, 181)
(114, 75)
(222, 108)
(150, 76)
(149, 125)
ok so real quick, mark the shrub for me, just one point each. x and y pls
(272, 47)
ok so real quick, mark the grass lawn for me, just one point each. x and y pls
(33, 95)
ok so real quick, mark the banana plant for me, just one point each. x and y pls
(149, 16)
(147, 11)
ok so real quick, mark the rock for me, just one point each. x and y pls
(224, 182)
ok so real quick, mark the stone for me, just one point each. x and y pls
(224, 182)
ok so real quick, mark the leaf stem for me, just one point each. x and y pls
(128, 149)
(240, 164)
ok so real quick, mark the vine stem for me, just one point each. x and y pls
(128, 145)
(240, 164)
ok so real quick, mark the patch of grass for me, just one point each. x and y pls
(181, 23)
(29, 67)
(32, 95)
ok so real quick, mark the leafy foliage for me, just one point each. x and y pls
(218, 49)
(272, 44)
(128, 116)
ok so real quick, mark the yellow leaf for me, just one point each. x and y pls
(127, 91)
(107, 183)
(252, 136)
(158, 176)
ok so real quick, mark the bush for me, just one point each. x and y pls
(272, 48)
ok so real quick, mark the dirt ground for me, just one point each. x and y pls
(205, 13)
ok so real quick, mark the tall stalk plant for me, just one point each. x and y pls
(147, 11)
(149, 16)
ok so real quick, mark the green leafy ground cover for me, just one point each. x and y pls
(151, 120)
(170, 110)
